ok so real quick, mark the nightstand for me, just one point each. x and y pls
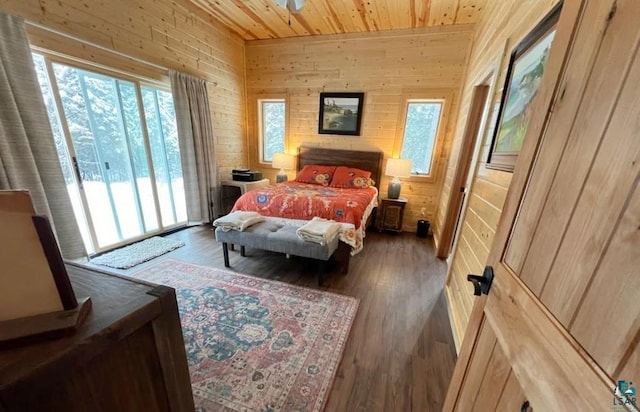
(231, 190)
(389, 214)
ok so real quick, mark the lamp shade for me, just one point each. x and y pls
(283, 161)
(398, 168)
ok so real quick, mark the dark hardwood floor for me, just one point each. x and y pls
(400, 353)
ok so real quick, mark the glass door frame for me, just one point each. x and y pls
(49, 60)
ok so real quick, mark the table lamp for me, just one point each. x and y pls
(397, 168)
(283, 162)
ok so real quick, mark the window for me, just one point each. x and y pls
(118, 147)
(420, 133)
(271, 127)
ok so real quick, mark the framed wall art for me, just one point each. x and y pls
(340, 113)
(524, 74)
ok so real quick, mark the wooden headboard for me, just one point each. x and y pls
(365, 160)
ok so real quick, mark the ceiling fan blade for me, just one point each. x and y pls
(294, 6)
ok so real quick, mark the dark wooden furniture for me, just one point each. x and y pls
(370, 160)
(128, 355)
(389, 214)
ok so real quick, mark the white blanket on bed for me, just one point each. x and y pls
(319, 230)
(238, 220)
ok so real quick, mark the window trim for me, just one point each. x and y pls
(260, 116)
(162, 82)
(425, 95)
(441, 102)
(255, 126)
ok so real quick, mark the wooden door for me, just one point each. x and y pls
(560, 327)
(459, 187)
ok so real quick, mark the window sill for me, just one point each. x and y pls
(430, 178)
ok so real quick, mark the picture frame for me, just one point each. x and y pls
(524, 73)
(340, 113)
(37, 299)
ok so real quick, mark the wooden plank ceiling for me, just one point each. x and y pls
(263, 19)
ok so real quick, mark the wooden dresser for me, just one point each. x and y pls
(128, 356)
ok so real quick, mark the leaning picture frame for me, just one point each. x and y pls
(340, 113)
(37, 299)
(524, 74)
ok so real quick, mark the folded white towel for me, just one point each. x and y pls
(318, 230)
(238, 220)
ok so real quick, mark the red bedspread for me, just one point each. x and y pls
(293, 200)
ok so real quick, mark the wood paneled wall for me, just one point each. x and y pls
(500, 29)
(385, 66)
(172, 34)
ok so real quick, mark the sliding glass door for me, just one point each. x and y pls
(163, 137)
(118, 147)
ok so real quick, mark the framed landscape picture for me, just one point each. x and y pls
(340, 113)
(524, 75)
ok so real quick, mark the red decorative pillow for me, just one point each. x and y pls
(315, 174)
(350, 178)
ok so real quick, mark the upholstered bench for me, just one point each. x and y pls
(276, 237)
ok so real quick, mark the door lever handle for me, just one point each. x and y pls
(482, 284)
(476, 281)
(76, 169)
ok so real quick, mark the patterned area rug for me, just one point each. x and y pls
(132, 255)
(254, 344)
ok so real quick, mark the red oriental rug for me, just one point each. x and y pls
(255, 344)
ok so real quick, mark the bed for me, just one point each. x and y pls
(294, 203)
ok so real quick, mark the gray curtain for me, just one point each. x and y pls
(28, 157)
(195, 134)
